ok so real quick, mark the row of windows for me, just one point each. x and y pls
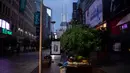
(4, 9)
(29, 14)
(14, 3)
(16, 21)
(29, 5)
(28, 18)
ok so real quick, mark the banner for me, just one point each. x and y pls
(55, 48)
(22, 5)
(37, 18)
(95, 13)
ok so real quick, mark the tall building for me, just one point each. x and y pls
(46, 22)
(59, 32)
(74, 13)
(16, 21)
(48, 25)
(64, 26)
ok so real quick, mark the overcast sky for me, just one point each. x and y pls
(56, 6)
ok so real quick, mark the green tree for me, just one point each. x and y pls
(81, 40)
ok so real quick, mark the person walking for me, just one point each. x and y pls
(18, 49)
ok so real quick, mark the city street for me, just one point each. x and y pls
(25, 63)
(85, 35)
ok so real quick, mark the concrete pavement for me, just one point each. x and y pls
(54, 67)
(24, 63)
(121, 64)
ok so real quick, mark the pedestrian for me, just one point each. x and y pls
(18, 49)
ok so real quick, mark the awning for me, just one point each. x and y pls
(124, 20)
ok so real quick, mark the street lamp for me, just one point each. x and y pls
(40, 42)
(53, 22)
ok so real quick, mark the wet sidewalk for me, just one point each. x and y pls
(53, 69)
(24, 63)
(54, 66)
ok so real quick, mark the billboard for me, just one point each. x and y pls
(5, 27)
(37, 18)
(55, 48)
(94, 14)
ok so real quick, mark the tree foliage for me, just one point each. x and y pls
(81, 40)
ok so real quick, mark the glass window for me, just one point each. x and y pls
(0, 23)
(3, 8)
(7, 26)
(0, 6)
(6, 10)
(3, 24)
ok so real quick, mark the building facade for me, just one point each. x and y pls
(46, 23)
(19, 23)
(74, 14)
(112, 15)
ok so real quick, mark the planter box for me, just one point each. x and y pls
(63, 70)
(80, 69)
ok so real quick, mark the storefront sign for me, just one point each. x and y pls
(4, 31)
(95, 14)
(5, 27)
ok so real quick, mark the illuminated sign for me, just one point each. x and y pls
(4, 31)
(5, 27)
(124, 26)
(4, 24)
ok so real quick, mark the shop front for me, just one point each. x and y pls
(120, 31)
(99, 27)
(124, 26)
(5, 36)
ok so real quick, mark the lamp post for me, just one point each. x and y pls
(51, 34)
(40, 42)
(53, 22)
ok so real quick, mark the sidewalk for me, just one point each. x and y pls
(24, 63)
(54, 67)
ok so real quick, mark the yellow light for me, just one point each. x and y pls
(129, 50)
(104, 25)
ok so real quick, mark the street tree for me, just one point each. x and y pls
(81, 40)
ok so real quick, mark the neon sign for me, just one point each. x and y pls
(5, 27)
(4, 31)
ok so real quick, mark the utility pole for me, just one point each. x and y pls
(40, 40)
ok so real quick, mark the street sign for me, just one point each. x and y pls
(37, 18)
